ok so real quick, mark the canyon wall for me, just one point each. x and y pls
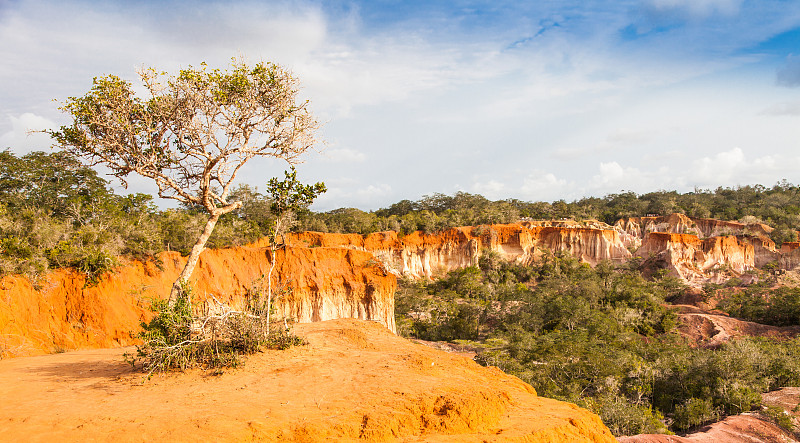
(701, 250)
(695, 250)
(60, 311)
(695, 260)
(350, 275)
(420, 255)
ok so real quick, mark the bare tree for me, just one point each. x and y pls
(193, 134)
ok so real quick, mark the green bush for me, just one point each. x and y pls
(598, 337)
(781, 418)
(695, 412)
(177, 339)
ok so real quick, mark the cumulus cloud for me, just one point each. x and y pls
(541, 182)
(371, 191)
(612, 175)
(789, 74)
(545, 186)
(721, 168)
(448, 86)
(22, 138)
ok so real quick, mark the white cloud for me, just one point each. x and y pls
(630, 136)
(540, 182)
(444, 100)
(612, 174)
(22, 137)
(545, 186)
(492, 189)
(784, 108)
(722, 168)
(789, 74)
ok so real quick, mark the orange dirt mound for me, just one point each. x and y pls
(354, 381)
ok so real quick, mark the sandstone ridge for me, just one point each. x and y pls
(354, 381)
(695, 250)
(61, 311)
(420, 255)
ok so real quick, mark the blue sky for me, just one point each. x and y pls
(532, 100)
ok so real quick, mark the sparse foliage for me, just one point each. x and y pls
(288, 196)
(193, 134)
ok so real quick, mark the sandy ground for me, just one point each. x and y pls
(353, 381)
(710, 328)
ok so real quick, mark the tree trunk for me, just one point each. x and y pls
(272, 245)
(194, 256)
(269, 282)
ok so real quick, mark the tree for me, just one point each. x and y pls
(192, 135)
(57, 183)
(288, 196)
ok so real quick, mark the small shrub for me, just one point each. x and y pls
(695, 412)
(176, 339)
(779, 416)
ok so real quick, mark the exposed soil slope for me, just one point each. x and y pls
(744, 428)
(705, 328)
(354, 381)
(421, 255)
(62, 312)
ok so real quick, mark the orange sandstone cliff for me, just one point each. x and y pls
(421, 255)
(60, 311)
(696, 260)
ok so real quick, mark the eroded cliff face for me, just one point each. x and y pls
(698, 261)
(701, 250)
(690, 248)
(683, 224)
(419, 255)
(61, 312)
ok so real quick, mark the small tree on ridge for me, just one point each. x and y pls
(192, 135)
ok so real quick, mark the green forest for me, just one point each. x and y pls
(601, 337)
(604, 337)
(57, 212)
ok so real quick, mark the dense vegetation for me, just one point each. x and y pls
(598, 337)
(759, 303)
(56, 212)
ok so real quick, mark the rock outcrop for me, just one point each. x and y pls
(701, 250)
(419, 255)
(60, 311)
(696, 250)
(748, 427)
(637, 227)
(353, 381)
(696, 260)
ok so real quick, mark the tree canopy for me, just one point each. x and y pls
(193, 134)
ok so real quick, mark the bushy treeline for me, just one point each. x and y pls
(778, 206)
(56, 212)
(759, 303)
(600, 337)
